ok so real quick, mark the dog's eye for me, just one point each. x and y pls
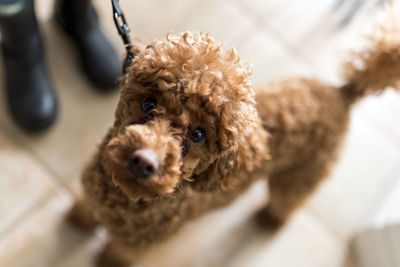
(198, 135)
(148, 104)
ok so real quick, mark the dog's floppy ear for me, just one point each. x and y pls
(234, 164)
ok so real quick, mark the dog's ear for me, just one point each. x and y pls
(234, 164)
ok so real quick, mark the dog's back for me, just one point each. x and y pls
(307, 120)
(304, 117)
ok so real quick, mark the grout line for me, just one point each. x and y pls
(54, 178)
(329, 227)
(270, 30)
(333, 233)
(239, 39)
(380, 219)
(43, 200)
(291, 48)
(30, 212)
(388, 135)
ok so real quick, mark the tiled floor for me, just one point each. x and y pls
(279, 39)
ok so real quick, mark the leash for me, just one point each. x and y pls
(123, 30)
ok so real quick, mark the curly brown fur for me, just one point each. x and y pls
(291, 133)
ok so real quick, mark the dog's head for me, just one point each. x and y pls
(186, 109)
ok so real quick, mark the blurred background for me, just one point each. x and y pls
(279, 38)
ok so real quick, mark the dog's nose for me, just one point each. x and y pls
(144, 163)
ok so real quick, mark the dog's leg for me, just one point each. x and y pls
(289, 188)
(115, 255)
(81, 215)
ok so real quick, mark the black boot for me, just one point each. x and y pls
(100, 61)
(30, 93)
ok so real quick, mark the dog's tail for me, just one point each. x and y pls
(376, 67)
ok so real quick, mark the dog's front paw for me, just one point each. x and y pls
(81, 218)
(111, 257)
(104, 260)
(267, 220)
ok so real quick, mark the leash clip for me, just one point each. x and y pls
(120, 22)
(123, 30)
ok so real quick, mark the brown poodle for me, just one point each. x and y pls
(191, 135)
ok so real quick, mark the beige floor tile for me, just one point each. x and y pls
(23, 183)
(389, 212)
(272, 9)
(301, 19)
(303, 242)
(153, 19)
(325, 46)
(222, 19)
(329, 51)
(84, 252)
(270, 59)
(368, 168)
(43, 239)
(384, 112)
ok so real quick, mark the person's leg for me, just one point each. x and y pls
(30, 93)
(100, 61)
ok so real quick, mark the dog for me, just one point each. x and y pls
(191, 135)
